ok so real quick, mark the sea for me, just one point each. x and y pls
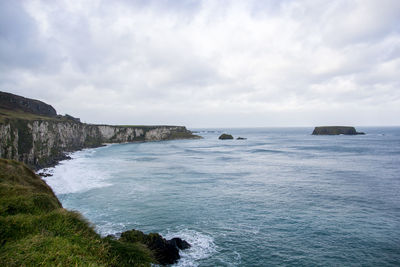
(282, 197)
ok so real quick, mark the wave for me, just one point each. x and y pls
(262, 150)
(202, 247)
(72, 176)
(106, 228)
(145, 159)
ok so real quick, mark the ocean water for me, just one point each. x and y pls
(280, 198)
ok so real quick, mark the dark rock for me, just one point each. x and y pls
(241, 138)
(335, 130)
(165, 251)
(69, 117)
(225, 137)
(19, 103)
(43, 174)
(179, 243)
(51, 161)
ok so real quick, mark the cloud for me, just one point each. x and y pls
(206, 63)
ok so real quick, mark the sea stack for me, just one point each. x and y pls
(335, 130)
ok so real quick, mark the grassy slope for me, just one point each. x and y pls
(15, 114)
(36, 230)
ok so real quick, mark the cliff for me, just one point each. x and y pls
(35, 230)
(335, 130)
(40, 139)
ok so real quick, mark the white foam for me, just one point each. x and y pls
(237, 257)
(110, 228)
(77, 175)
(202, 247)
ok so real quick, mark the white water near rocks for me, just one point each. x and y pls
(281, 197)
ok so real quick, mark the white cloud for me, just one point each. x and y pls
(207, 63)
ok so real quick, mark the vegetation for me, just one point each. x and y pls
(6, 114)
(35, 229)
(183, 135)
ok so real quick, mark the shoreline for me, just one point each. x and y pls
(45, 173)
(108, 228)
(67, 156)
(64, 155)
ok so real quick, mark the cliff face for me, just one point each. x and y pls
(42, 143)
(33, 133)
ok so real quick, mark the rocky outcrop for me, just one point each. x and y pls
(18, 103)
(335, 130)
(43, 143)
(165, 251)
(225, 137)
(69, 117)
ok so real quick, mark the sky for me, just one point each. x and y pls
(211, 63)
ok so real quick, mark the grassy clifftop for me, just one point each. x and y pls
(6, 115)
(35, 229)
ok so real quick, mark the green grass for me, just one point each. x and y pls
(36, 231)
(183, 135)
(12, 115)
(15, 114)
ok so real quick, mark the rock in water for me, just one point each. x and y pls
(241, 138)
(165, 251)
(335, 130)
(179, 243)
(225, 136)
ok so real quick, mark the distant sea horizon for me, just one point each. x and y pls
(291, 126)
(280, 197)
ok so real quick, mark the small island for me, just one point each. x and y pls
(225, 137)
(335, 130)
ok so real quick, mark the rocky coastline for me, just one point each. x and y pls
(33, 133)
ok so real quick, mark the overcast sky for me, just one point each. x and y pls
(206, 63)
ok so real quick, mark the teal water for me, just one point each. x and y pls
(281, 197)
